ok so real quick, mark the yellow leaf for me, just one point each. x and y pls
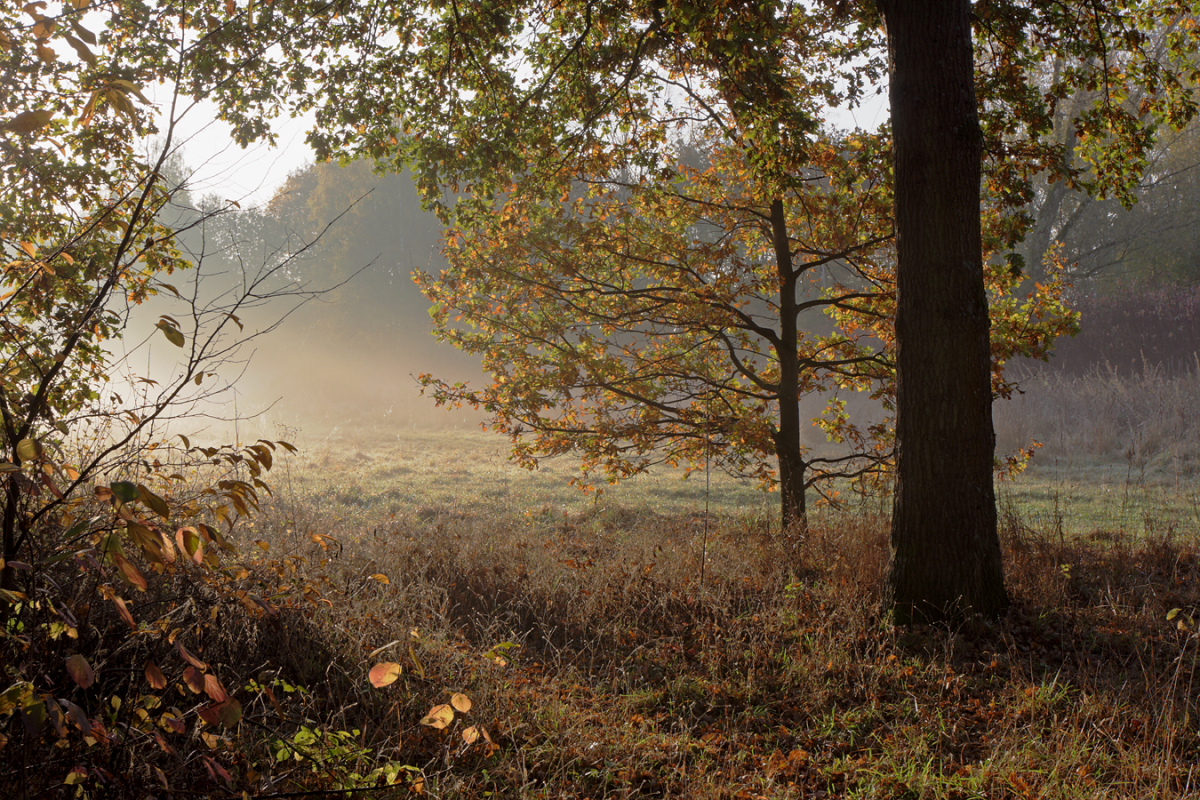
(461, 702)
(129, 87)
(81, 49)
(379, 576)
(173, 334)
(83, 32)
(439, 716)
(29, 449)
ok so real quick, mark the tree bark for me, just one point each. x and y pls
(792, 466)
(945, 551)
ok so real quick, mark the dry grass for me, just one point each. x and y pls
(650, 660)
(650, 652)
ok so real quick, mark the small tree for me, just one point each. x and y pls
(672, 320)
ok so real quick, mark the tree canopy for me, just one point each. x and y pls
(656, 242)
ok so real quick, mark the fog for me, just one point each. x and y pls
(336, 332)
(349, 355)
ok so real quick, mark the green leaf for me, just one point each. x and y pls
(125, 491)
(173, 334)
(154, 502)
(29, 449)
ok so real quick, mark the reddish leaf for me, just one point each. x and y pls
(191, 659)
(123, 610)
(230, 712)
(217, 772)
(214, 689)
(163, 743)
(173, 719)
(226, 715)
(209, 714)
(155, 677)
(130, 572)
(80, 670)
(194, 679)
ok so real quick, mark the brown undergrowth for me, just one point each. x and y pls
(612, 653)
(619, 654)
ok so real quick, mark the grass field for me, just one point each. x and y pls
(380, 473)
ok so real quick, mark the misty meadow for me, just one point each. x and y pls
(608, 409)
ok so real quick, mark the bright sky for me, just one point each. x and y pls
(220, 167)
(252, 176)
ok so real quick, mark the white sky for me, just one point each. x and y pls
(220, 167)
(252, 176)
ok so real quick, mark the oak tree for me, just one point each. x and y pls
(946, 558)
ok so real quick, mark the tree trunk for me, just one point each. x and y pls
(787, 438)
(946, 558)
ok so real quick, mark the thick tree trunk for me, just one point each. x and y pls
(946, 558)
(787, 438)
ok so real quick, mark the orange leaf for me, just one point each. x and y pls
(191, 659)
(384, 673)
(123, 610)
(131, 573)
(214, 689)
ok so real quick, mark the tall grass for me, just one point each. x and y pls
(1147, 418)
(629, 645)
